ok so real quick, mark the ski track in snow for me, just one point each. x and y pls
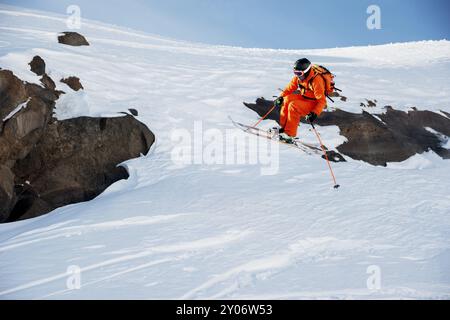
(171, 248)
(215, 231)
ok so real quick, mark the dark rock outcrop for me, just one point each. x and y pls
(45, 163)
(368, 103)
(37, 65)
(7, 195)
(72, 39)
(262, 106)
(13, 92)
(334, 156)
(398, 136)
(21, 129)
(134, 112)
(48, 82)
(446, 113)
(73, 82)
(76, 160)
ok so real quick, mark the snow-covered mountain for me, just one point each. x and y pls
(270, 229)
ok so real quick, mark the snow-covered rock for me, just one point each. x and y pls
(47, 163)
(72, 39)
(37, 66)
(393, 136)
(73, 82)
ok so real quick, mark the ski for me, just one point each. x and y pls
(306, 147)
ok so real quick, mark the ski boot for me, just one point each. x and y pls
(287, 138)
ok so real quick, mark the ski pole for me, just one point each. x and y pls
(326, 156)
(260, 120)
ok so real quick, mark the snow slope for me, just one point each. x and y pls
(210, 230)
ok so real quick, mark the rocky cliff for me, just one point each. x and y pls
(46, 163)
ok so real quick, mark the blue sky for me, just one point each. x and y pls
(268, 23)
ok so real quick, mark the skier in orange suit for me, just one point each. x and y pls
(304, 96)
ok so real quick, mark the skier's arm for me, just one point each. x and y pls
(291, 87)
(318, 86)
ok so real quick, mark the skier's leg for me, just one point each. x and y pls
(293, 119)
(284, 114)
(296, 110)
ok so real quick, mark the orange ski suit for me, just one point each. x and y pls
(311, 98)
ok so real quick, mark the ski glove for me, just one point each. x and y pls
(279, 102)
(312, 117)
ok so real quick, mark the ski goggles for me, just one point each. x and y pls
(301, 74)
